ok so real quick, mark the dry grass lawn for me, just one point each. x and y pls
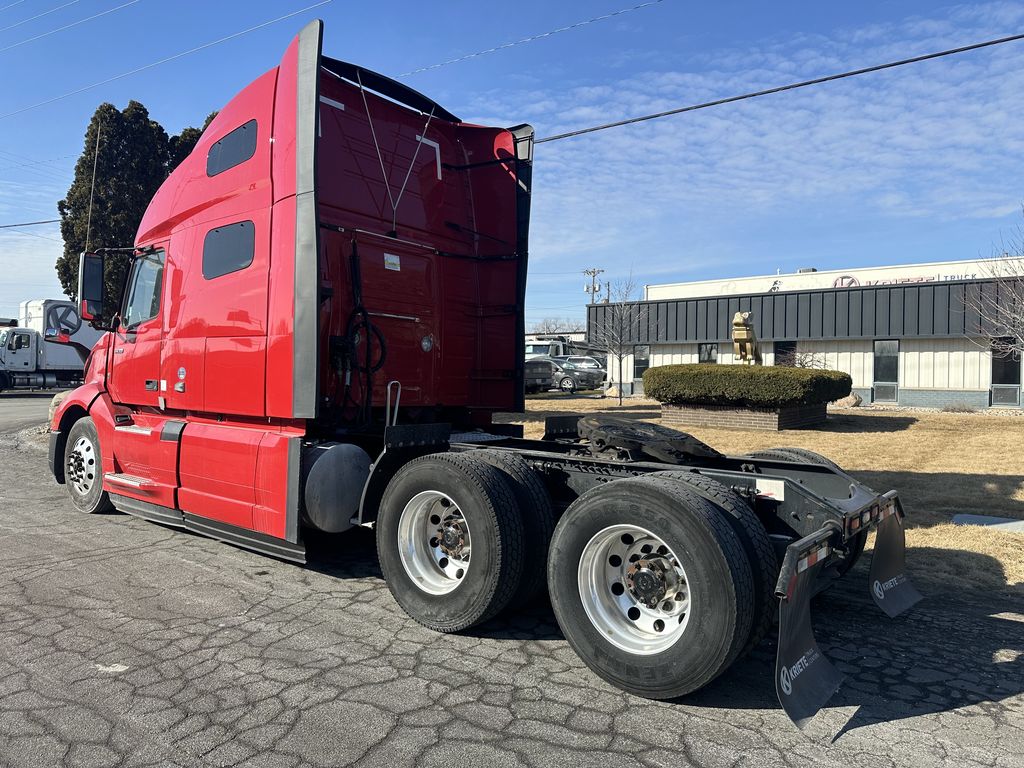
(941, 464)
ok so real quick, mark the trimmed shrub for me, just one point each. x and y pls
(753, 386)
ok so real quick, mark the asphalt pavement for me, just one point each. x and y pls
(126, 643)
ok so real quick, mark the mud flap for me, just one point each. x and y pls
(890, 587)
(804, 677)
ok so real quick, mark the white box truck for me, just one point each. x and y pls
(27, 361)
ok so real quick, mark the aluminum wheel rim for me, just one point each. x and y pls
(621, 569)
(434, 542)
(81, 466)
(567, 385)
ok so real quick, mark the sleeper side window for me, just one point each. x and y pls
(234, 149)
(228, 249)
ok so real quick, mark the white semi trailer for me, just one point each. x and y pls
(27, 361)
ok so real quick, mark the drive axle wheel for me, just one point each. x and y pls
(450, 540)
(83, 471)
(634, 589)
(432, 517)
(651, 586)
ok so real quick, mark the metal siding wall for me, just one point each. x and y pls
(854, 313)
(896, 312)
(882, 313)
(940, 310)
(925, 314)
(950, 363)
(909, 313)
(803, 316)
(874, 312)
(816, 324)
(828, 315)
(854, 356)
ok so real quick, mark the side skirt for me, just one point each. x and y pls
(147, 511)
(230, 534)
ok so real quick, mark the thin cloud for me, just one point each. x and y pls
(930, 143)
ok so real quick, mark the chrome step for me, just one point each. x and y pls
(129, 481)
(134, 429)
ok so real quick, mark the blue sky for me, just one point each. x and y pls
(918, 164)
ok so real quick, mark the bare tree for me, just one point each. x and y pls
(999, 305)
(558, 325)
(801, 358)
(617, 324)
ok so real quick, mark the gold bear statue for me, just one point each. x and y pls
(744, 339)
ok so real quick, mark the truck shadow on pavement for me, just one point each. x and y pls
(952, 650)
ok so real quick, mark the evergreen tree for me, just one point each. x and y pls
(130, 164)
(135, 156)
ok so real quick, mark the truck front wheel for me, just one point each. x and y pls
(450, 541)
(651, 586)
(83, 471)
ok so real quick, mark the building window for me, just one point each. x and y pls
(234, 149)
(641, 360)
(228, 249)
(1005, 374)
(1005, 368)
(785, 353)
(707, 353)
(887, 371)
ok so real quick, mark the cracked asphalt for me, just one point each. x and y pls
(123, 643)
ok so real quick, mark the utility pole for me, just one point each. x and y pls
(608, 293)
(594, 288)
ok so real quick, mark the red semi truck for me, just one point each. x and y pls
(323, 312)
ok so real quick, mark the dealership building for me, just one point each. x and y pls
(913, 335)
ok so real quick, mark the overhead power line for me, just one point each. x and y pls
(165, 60)
(67, 26)
(37, 16)
(11, 5)
(782, 88)
(28, 224)
(530, 39)
(32, 234)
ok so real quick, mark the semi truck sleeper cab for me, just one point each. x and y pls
(325, 307)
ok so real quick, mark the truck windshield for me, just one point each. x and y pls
(3, 338)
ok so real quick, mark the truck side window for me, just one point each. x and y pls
(21, 341)
(228, 249)
(234, 149)
(144, 289)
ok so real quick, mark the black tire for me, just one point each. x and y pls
(567, 385)
(82, 460)
(5, 383)
(756, 544)
(489, 507)
(717, 572)
(538, 519)
(796, 454)
(856, 546)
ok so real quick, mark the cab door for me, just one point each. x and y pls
(134, 376)
(21, 353)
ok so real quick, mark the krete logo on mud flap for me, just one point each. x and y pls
(788, 674)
